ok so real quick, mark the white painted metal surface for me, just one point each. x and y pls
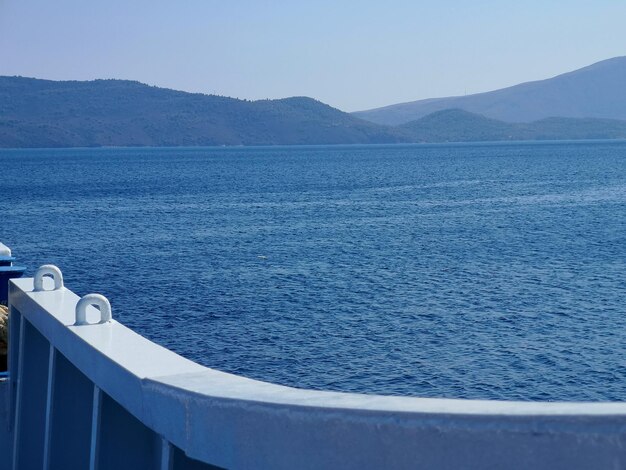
(4, 250)
(98, 301)
(47, 270)
(139, 405)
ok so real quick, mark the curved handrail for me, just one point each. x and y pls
(236, 422)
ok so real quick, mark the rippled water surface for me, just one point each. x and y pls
(478, 271)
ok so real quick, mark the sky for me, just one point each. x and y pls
(353, 55)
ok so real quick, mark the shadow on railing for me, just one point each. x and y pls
(87, 392)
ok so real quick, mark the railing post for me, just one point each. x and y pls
(16, 380)
(49, 404)
(32, 393)
(95, 428)
(166, 455)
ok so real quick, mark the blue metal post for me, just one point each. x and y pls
(7, 271)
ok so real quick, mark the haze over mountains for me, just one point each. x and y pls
(589, 103)
(457, 125)
(596, 91)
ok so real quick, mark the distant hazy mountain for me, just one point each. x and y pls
(44, 113)
(456, 125)
(596, 91)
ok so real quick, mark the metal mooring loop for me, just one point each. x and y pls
(48, 270)
(97, 300)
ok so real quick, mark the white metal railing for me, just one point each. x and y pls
(87, 392)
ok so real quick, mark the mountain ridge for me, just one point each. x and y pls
(456, 125)
(594, 91)
(108, 112)
(46, 113)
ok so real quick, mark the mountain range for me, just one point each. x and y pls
(589, 103)
(596, 91)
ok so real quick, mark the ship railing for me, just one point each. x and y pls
(86, 392)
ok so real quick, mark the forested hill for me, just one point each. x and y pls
(45, 113)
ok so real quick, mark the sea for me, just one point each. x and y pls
(491, 270)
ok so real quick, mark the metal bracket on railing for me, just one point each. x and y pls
(97, 300)
(48, 270)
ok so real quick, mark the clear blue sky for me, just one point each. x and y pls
(351, 54)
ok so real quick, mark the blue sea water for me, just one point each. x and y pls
(491, 271)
